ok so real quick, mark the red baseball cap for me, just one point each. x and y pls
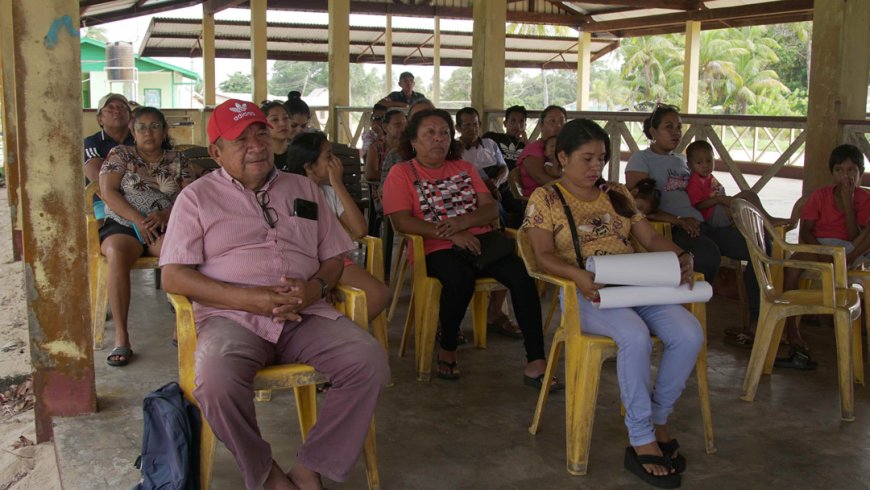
(230, 119)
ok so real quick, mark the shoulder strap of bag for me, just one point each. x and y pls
(571, 225)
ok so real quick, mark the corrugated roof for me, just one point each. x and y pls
(306, 41)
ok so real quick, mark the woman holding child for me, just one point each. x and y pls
(604, 215)
(690, 231)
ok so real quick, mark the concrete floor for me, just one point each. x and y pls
(474, 433)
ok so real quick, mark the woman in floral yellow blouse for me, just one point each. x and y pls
(605, 215)
(139, 185)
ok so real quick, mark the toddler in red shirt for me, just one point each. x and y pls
(708, 196)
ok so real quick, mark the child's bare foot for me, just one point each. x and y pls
(277, 480)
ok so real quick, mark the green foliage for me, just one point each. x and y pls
(366, 87)
(739, 72)
(302, 76)
(456, 91)
(238, 83)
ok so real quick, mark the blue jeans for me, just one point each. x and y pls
(631, 328)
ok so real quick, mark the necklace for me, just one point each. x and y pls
(162, 153)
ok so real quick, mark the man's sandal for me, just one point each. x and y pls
(669, 449)
(634, 463)
(799, 359)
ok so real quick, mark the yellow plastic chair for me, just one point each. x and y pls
(98, 269)
(425, 306)
(834, 298)
(302, 378)
(584, 355)
(374, 265)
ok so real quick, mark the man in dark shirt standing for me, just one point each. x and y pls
(405, 97)
(511, 144)
(113, 116)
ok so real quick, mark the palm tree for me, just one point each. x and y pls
(653, 68)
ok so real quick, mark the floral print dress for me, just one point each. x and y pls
(146, 186)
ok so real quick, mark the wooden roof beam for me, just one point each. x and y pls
(128, 13)
(653, 4)
(215, 6)
(729, 13)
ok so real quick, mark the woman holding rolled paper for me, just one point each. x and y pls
(583, 216)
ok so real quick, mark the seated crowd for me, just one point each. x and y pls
(259, 244)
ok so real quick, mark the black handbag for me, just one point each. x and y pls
(494, 246)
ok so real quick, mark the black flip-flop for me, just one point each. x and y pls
(668, 449)
(798, 359)
(634, 463)
(538, 382)
(452, 375)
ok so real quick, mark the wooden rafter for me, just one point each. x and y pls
(729, 13)
(215, 6)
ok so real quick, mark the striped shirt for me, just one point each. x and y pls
(218, 226)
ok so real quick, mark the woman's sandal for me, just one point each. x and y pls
(447, 370)
(669, 449)
(120, 356)
(634, 463)
(741, 340)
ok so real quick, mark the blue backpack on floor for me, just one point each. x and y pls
(170, 442)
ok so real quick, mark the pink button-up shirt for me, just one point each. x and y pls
(218, 226)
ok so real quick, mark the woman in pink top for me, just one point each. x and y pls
(443, 198)
(534, 173)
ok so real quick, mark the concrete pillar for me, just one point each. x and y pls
(47, 57)
(339, 68)
(208, 55)
(436, 64)
(838, 80)
(10, 123)
(487, 72)
(691, 67)
(258, 50)
(584, 68)
(388, 56)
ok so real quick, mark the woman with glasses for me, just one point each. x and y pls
(139, 184)
(664, 129)
(313, 153)
(279, 133)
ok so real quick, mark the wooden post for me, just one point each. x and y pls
(208, 55)
(388, 55)
(258, 51)
(691, 67)
(487, 72)
(10, 123)
(584, 67)
(436, 64)
(838, 81)
(47, 57)
(339, 68)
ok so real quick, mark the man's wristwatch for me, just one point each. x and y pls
(324, 286)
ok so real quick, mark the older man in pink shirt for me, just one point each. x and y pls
(257, 250)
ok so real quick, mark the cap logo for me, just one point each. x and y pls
(241, 111)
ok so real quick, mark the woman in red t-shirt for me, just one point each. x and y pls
(442, 198)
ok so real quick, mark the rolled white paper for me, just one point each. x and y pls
(629, 296)
(637, 269)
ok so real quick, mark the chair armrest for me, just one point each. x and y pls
(351, 302)
(826, 274)
(186, 330)
(837, 253)
(374, 256)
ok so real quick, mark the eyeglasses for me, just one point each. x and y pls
(142, 127)
(269, 214)
(377, 118)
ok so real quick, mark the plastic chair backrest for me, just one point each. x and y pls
(752, 225)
